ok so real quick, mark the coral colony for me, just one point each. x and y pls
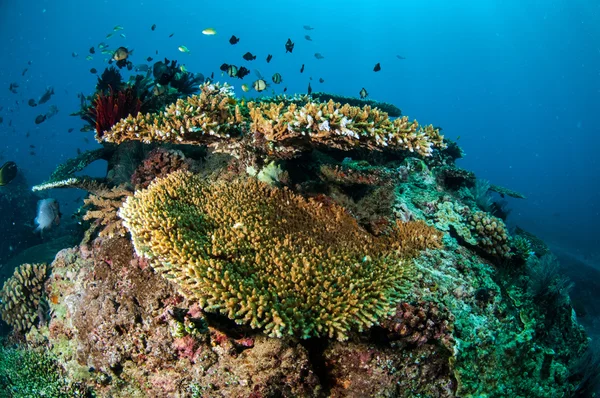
(287, 246)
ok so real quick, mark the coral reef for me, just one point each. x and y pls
(491, 233)
(158, 163)
(391, 109)
(108, 108)
(106, 204)
(251, 263)
(21, 297)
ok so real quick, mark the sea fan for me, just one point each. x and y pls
(187, 83)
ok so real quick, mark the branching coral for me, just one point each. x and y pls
(274, 130)
(491, 234)
(22, 296)
(106, 203)
(268, 257)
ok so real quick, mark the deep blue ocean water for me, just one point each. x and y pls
(516, 82)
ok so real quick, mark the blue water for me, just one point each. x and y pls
(517, 81)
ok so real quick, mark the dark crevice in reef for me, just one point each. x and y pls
(316, 349)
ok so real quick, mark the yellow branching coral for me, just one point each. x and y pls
(199, 119)
(21, 296)
(268, 257)
(274, 130)
(106, 204)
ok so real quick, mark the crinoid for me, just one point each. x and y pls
(110, 79)
(187, 83)
(107, 109)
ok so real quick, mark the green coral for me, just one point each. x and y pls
(270, 258)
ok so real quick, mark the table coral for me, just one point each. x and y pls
(271, 258)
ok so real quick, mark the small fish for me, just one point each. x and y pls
(183, 69)
(108, 36)
(245, 88)
(48, 215)
(117, 28)
(8, 172)
(79, 151)
(70, 130)
(149, 59)
(319, 56)
(289, 46)
(269, 58)
(24, 71)
(249, 57)
(40, 119)
(1, 119)
(102, 45)
(309, 89)
(277, 78)
(183, 49)
(153, 27)
(156, 52)
(92, 50)
(224, 67)
(284, 89)
(307, 27)
(260, 85)
(363, 93)
(232, 71)
(377, 67)
(234, 40)
(31, 146)
(209, 32)
(32, 103)
(28, 62)
(27, 135)
(121, 54)
(400, 57)
(74, 54)
(171, 35)
(302, 69)
(13, 87)
(242, 72)
(123, 35)
(212, 76)
(307, 37)
(321, 80)
(108, 52)
(32, 153)
(93, 71)
(89, 58)
(458, 138)
(47, 95)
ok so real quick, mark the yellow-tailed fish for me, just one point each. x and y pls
(183, 69)
(183, 49)
(209, 32)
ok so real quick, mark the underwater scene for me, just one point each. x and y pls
(300, 199)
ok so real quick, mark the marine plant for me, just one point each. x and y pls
(270, 258)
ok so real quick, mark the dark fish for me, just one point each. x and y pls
(232, 71)
(307, 37)
(8, 172)
(40, 119)
(74, 54)
(28, 62)
(224, 67)
(32, 153)
(249, 57)
(277, 78)
(321, 80)
(377, 67)
(47, 95)
(156, 52)
(13, 87)
(31, 146)
(24, 71)
(78, 151)
(242, 72)
(70, 130)
(27, 135)
(1, 120)
(92, 51)
(284, 89)
(93, 70)
(153, 26)
(269, 58)
(149, 59)
(289, 46)
(302, 69)
(86, 140)
(309, 89)
(307, 27)
(363, 93)
(31, 103)
(319, 56)
(142, 68)
(129, 65)
(212, 76)
(171, 35)
(400, 57)
(234, 40)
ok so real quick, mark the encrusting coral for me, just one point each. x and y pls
(270, 258)
(22, 295)
(273, 130)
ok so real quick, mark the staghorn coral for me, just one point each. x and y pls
(106, 203)
(158, 163)
(491, 234)
(419, 323)
(266, 256)
(22, 297)
(276, 130)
